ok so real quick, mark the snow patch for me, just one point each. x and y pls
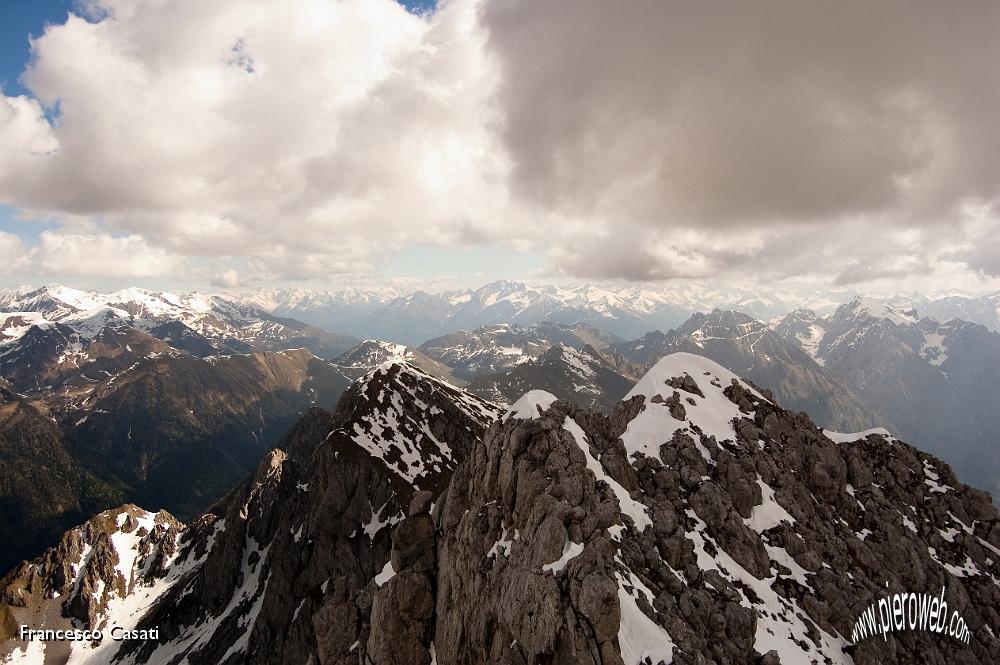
(388, 572)
(570, 550)
(639, 637)
(531, 405)
(769, 513)
(851, 437)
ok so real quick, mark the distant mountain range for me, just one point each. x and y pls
(414, 317)
(198, 323)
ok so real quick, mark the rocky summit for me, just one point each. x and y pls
(696, 521)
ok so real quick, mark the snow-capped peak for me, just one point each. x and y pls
(397, 410)
(881, 309)
(373, 353)
(13, 325)
(701, 407)
(530, 405)
(654, 382)
(91, 322)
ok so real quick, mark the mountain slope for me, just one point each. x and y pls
(696, 522)
(582, 377)
(178, 432)
(127, 416)
(936, 382)
(748, 347)
(43, 489)
(500, 347)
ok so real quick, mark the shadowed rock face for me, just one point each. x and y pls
(696, 522)
(584, 377)
(43, 490)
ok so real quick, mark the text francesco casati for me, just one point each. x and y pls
(117, 633)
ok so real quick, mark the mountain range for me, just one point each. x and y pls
(936, 384)
(696, 521)
(167, 400)
(201, 324)
(412, 317)
(142, 397)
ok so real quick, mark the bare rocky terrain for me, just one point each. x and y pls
(697, 521)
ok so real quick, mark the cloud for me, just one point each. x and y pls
(720, 115)
(101, 255)
(747, 120)
(269, 131)
(14, 255)
(642, 141)
(983, 251)
(25, 131)
(229, 278)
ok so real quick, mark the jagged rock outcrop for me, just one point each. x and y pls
(107, 572)
(696, 522)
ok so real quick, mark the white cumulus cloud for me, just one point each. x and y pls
(641, 141)
(102, 255)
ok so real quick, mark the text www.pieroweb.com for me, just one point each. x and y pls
(910, 611)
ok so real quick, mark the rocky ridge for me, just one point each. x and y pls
(696, 522)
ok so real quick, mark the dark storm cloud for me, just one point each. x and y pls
(720, 113)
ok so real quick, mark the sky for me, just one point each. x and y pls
(325, 143)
